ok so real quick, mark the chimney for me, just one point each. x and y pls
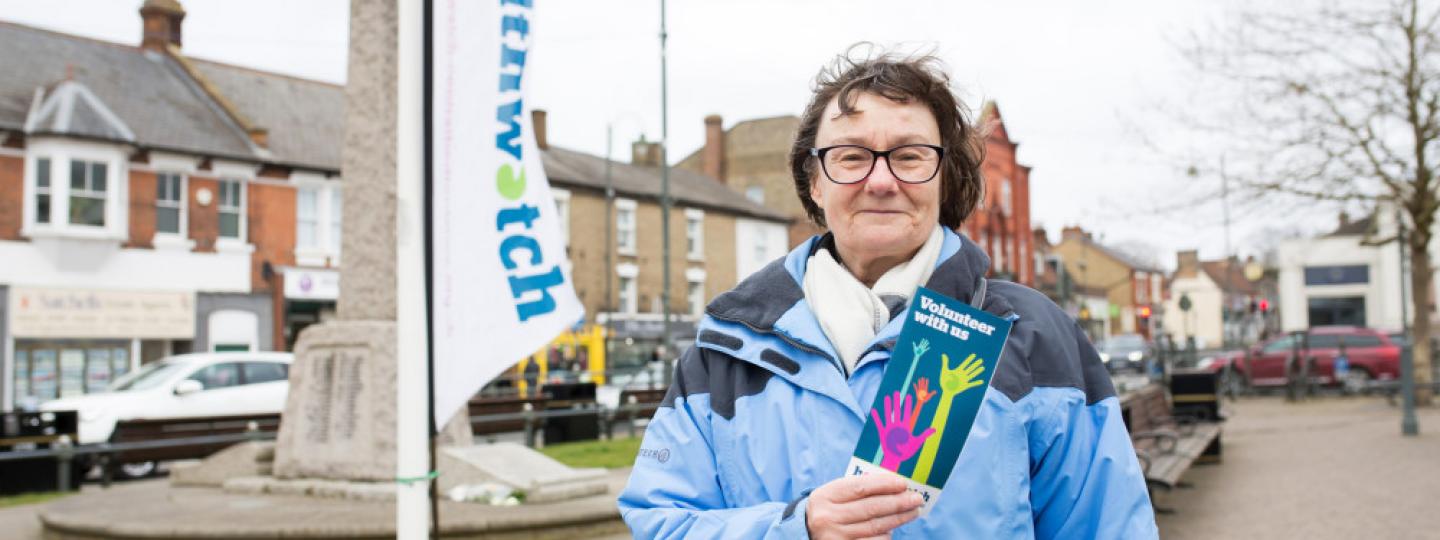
(712, 158)
(1187, 262)
(260, 136)
(1073, 231)
(537, 123)
(645, 154)
(160, 24)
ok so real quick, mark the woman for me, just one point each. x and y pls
(754, 435)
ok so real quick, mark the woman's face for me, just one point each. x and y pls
(879, 216)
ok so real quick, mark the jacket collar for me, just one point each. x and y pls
(772, 304)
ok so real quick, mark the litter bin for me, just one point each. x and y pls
(576, 396)
(21, 431)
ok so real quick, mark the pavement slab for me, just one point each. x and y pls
(1318, 469)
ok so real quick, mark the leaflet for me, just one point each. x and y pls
(930, 393)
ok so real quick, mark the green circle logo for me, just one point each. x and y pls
(510, 186)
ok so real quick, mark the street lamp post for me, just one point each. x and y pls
(665, 203)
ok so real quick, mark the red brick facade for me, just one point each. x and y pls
(142, 209)
(204, 220)
(271, 229)
(12, 196)
(1001, 223)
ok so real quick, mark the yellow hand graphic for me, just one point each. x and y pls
(953, 382)
(962, 377)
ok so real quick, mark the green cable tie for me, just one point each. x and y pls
(413, 479)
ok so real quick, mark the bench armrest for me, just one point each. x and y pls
(1185, 423)
(1165, 440)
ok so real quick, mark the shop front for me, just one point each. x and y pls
(310, 296)
(67, 342)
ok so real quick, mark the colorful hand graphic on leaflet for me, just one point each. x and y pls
(923, 393)
(953, 382)
(896, 440)
(919, 348)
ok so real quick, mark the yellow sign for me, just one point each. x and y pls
(81, 313)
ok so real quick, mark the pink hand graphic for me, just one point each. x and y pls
(896, 440)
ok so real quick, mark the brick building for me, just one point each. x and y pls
(752, 158)
(1115, 291)
(1001, 223)
(717, 238)
(153, 203)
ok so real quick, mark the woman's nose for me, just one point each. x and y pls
(881, 180)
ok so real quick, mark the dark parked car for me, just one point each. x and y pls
(1125, 352)
(1371, 355)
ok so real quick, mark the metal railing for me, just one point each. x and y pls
(65, 453)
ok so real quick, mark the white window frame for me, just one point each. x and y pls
(695, 277)
(181, 204)
(60, 153)
(32, 203)
(314, 193)
(185, 166)
(238, 208)
(695, 238)
(326, 249)
(244, 173)
(628, 303)
(562, 211)
(626, 238)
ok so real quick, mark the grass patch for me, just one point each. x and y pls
(610, 454)
(31, 498)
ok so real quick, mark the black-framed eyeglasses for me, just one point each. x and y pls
(851, 163)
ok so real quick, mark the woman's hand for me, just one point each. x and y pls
(863, 506)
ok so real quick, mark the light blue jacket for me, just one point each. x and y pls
(761, 413)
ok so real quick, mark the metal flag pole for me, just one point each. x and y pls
(412, 347)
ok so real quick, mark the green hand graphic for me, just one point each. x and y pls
(953, 382)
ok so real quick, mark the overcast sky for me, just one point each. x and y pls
(1080, 85)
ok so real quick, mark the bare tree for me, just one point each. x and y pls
(1333, 101)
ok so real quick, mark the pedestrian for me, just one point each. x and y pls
(754, 435)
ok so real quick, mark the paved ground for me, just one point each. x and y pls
(1329, 468)
(151, 507)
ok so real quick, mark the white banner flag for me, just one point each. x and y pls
(501, 290)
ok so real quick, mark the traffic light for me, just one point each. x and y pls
(1264, 306)
(1145, 312)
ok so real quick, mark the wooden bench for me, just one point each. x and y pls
(150, 430)
(482, 406)
(1169, 439)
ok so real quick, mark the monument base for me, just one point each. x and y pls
(242, 469)
(339, 421)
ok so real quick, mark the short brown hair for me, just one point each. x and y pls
(901, 79)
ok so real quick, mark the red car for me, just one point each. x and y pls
(1372, 354)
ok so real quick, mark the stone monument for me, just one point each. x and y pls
(339, 421)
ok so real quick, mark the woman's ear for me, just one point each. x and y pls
(815, 195)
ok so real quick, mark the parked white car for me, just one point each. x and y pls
(183, 386)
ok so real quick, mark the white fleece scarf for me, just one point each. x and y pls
(851, 313)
